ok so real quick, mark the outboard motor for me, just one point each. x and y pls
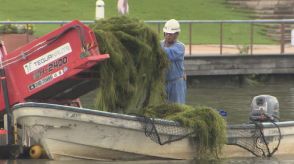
(265, 108)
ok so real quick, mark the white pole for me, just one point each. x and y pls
(99, 9)
(292, 37)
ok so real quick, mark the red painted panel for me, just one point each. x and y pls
(48, 60)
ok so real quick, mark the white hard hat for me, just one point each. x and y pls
(171, 26)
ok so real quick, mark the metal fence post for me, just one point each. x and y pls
(221, 39)
(190, 39)
(27, 33)
(282, 38)
(251, 38)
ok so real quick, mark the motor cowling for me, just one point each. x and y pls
(265, 108)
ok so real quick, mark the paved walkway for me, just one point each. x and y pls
(235, 49)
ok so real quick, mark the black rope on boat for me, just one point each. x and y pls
(279, 141)
(269, 152)
(260, 145)
(161, 133)
(152, 133)
(260, 128)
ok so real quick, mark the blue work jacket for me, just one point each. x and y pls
(176, 84)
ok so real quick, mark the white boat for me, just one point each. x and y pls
(71, 132)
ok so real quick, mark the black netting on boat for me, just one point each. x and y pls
(161, 132)
(259, 141)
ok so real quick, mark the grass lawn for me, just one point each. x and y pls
(143, 9)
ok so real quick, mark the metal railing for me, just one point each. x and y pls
(221, 23)
(190, 23)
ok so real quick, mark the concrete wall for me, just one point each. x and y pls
(239, 65)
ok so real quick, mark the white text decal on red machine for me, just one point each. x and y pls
(47, 58)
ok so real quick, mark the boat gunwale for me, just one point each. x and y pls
(136, 118)
(94, 112)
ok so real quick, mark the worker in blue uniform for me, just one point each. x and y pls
(175, 50)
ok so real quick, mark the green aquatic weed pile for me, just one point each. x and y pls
(133, 77)
(209, 127)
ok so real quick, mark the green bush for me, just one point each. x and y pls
(16, 29)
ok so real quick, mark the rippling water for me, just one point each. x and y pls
(235, 95)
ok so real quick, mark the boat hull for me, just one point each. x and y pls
(89, 136)
(69, 132)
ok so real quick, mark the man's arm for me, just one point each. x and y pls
(175, 52)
